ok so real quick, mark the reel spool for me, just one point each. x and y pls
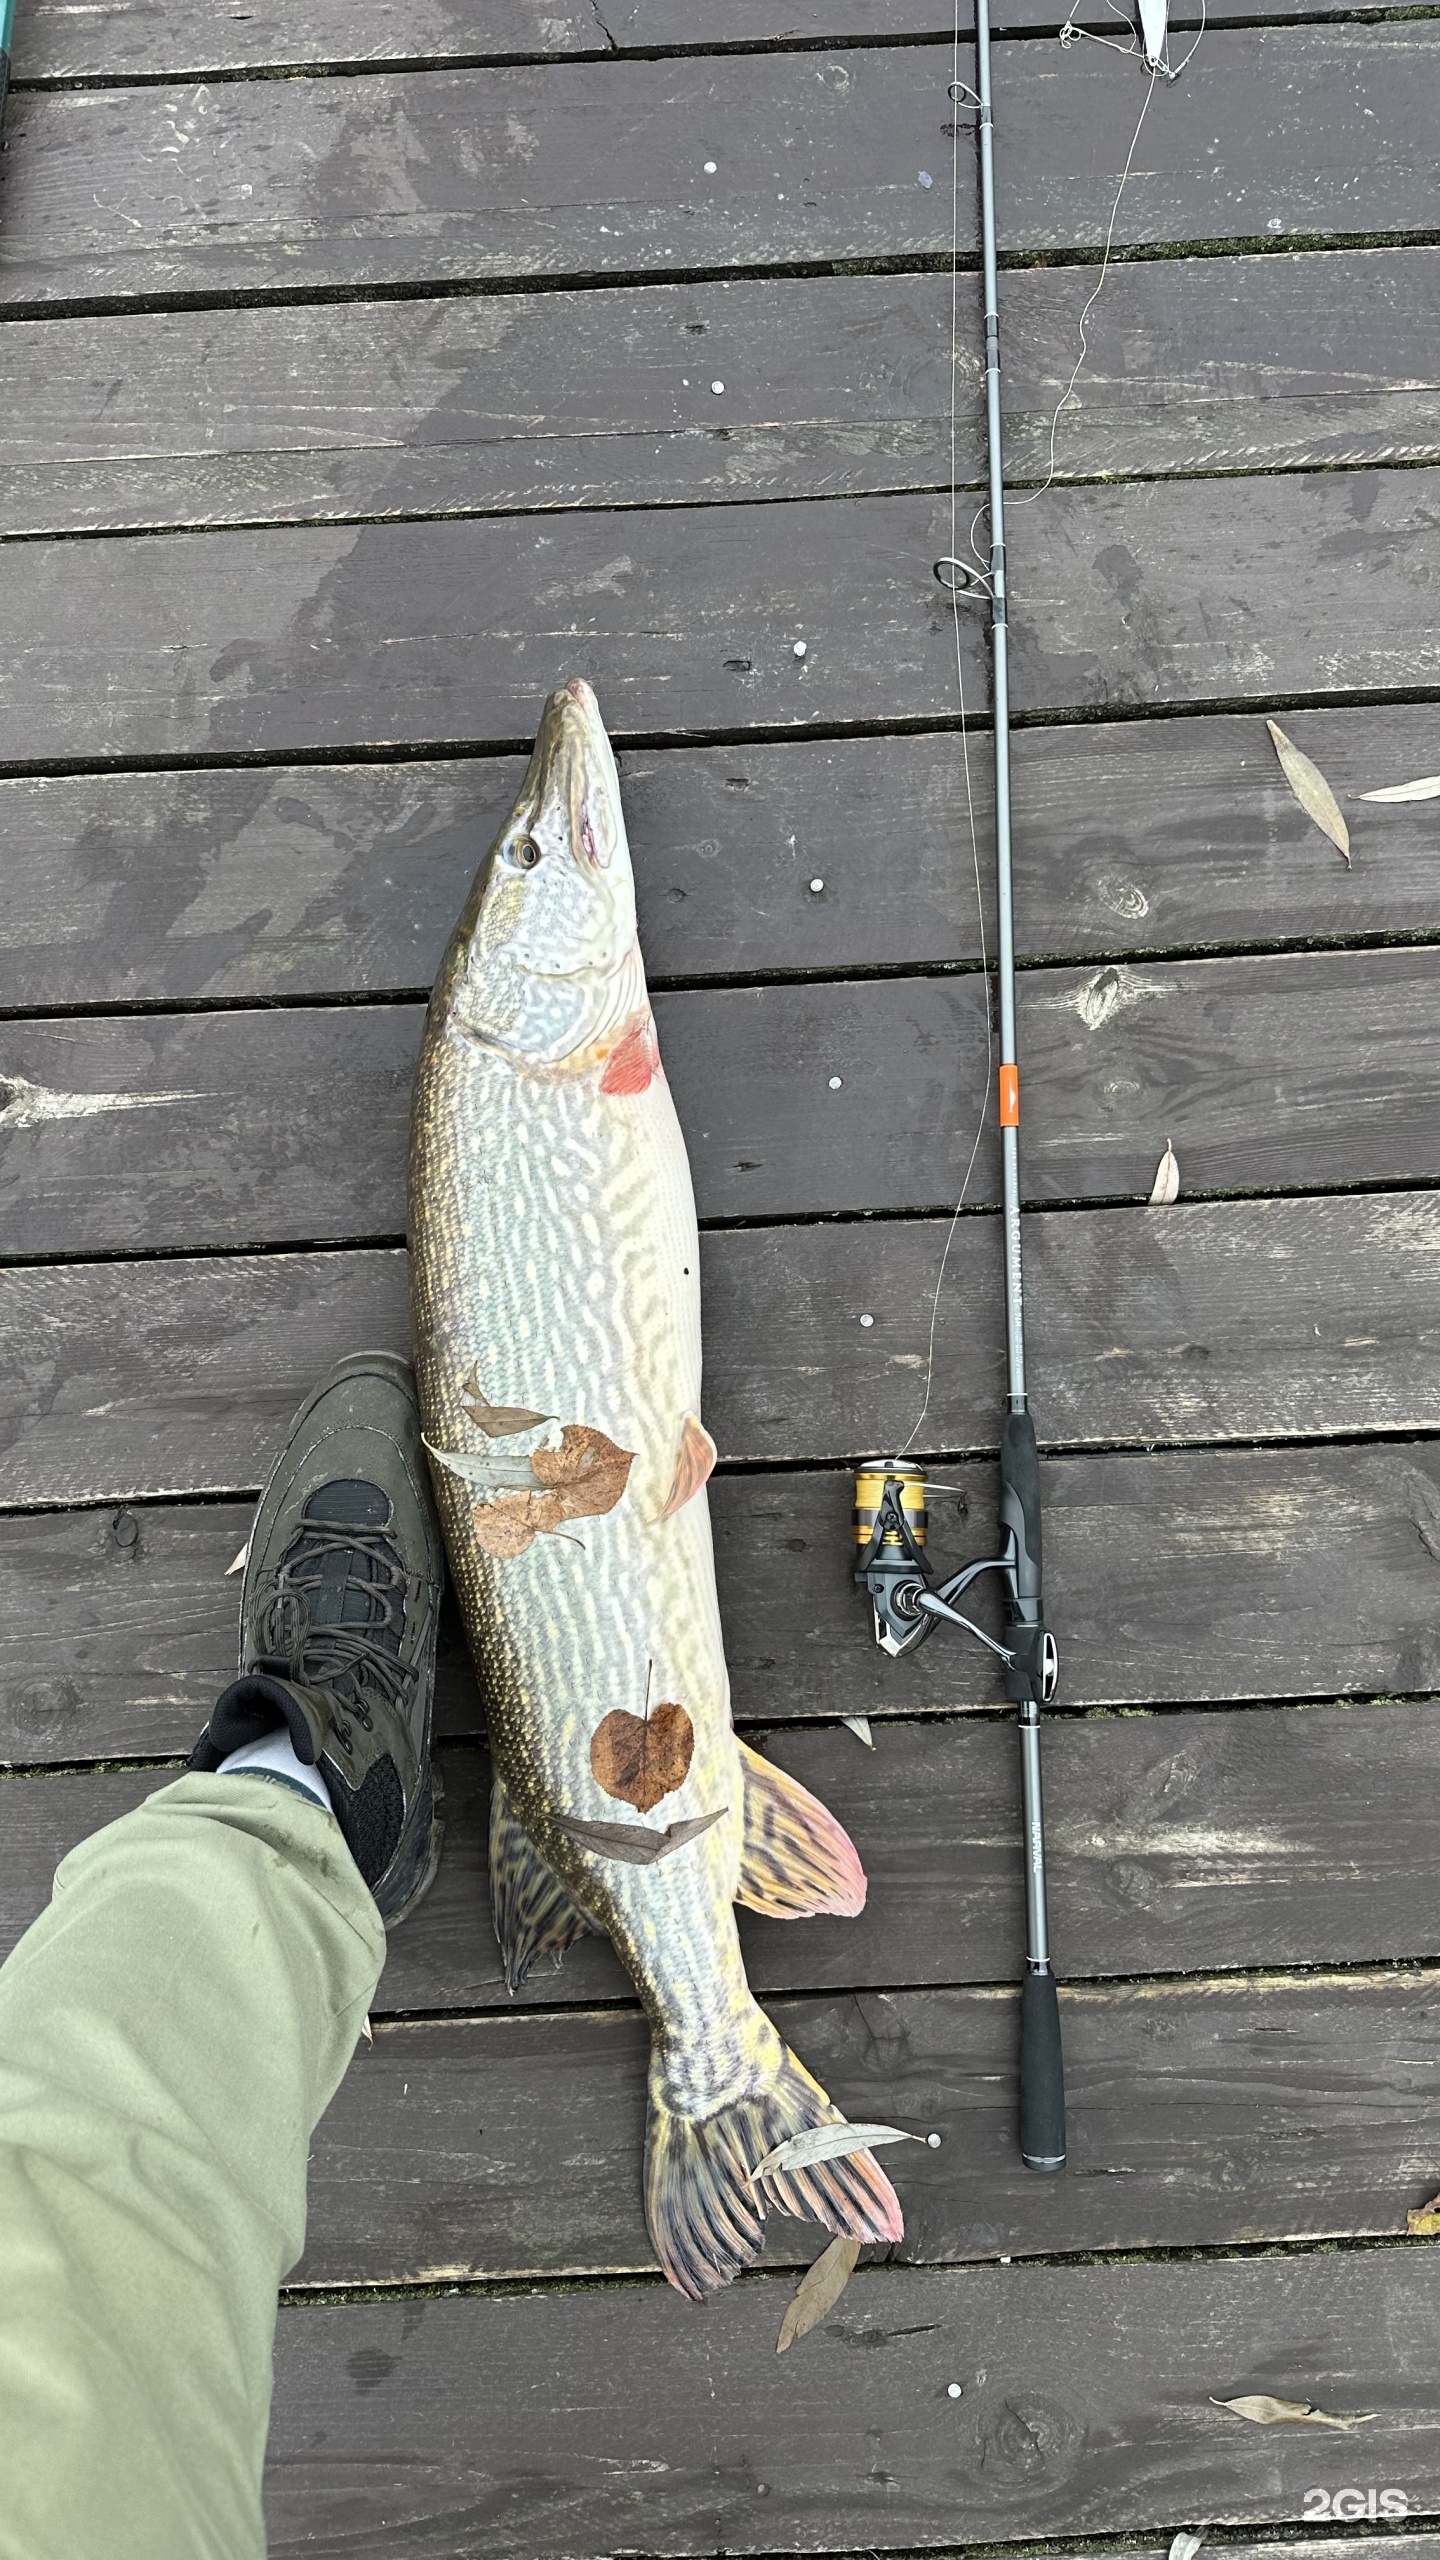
(891, 1528)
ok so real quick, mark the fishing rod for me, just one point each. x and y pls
(891, 1516)
(7, 24)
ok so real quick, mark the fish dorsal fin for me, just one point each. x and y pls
(797, 1860)
(534, 1913)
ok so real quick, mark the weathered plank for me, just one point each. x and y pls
(1132, 836)
(262, 1128)
(1179, 1843)
(618, 2418)
(1195, 1574)
(331, 411)
(479, 175)
(1246, 1320)
(433, 635)
(136, 39)
(1199, 2114)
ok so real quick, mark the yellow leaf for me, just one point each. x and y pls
(818, 2292)
(1426, 2222)
(1263, 2410)
(1427, 788)
(1312, 791)
(1167, 1179)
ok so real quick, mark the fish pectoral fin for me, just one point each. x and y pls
(796, 1859)
(534, 1913)
(694, 1460)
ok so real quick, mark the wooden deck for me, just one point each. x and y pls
(347, 411)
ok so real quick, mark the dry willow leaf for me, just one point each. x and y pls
(827, 2142)
(639, 1759)
(239, 1564)
(367, 2030)
(818, 2292)
(1167, 1179)
(1426, 2223)
(1264, 2411)
(1427, 788)
(632, 1842)
(1312, 791)
(497, 1421)
(860, 1727)
(1185, 2546)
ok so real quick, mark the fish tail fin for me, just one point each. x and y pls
(705, 2210)
(796, 1860)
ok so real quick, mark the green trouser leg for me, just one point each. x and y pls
(171, 2030)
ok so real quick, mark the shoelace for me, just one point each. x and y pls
(342, 1655)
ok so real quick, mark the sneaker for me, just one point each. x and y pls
(339, 1615)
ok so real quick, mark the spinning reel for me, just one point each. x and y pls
(908, 1598)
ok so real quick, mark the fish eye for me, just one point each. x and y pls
(527, 853)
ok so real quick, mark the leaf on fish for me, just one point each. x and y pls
(860, 1727)
(633, 1842)
(587, 1473)
(1426, 2223)
(1264, 2411)
(1167, 1179)
(818, 2292)
(1427, 788)
(497, 1421)
(513, 1522)
(1312, 791)
(639, 1759)
(827, 2142)
(239, 1564)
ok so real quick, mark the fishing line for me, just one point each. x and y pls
(1069, 34)
(964, 727)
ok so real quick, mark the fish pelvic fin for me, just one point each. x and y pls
(695, 1457)
(534, 1913)
(707, 2218)
(796, 1859)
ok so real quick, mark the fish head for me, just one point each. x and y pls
(545, 960)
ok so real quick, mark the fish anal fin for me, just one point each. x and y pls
(534, 1913)
(694, 1460)
(796, 1860)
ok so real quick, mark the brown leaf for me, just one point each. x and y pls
(1426, 2223)
(588, 1473)
(1167, 1179)
(632, 1842)
(513, 1521)
(694, 1463)
(1263, 2410)
(1312, 791)
(818, 2292)
(639, 1759)
(497, 1421)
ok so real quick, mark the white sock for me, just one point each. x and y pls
(277, 1753)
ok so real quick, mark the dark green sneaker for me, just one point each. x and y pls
(339, 1615)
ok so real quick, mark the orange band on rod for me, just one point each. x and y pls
(1009, 1097)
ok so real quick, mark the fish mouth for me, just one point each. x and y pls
(573, 763)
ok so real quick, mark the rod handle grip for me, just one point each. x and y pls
(1042, 2075)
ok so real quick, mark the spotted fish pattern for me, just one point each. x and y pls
(556, 1285)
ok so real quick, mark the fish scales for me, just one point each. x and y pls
(555, 1270)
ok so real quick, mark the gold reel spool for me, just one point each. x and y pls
(870, 1482)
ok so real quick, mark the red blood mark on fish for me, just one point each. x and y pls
(634, 1061)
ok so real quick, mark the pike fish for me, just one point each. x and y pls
(556, 1308)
